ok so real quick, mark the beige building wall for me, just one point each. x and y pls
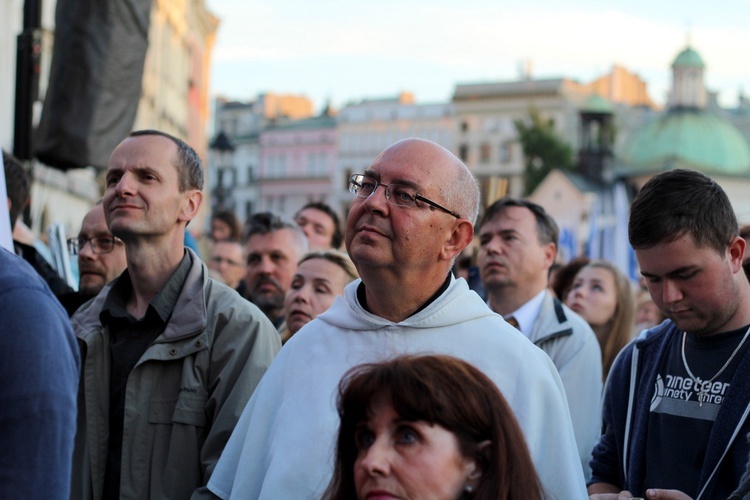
(174, 96)
(175, 87)
(295, 107)
(485, 137)
(622, 86)
(164, 105)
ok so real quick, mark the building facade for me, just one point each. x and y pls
(485, 135)
(297, 164)
(237, 174)
(175, 89)
(368, 127)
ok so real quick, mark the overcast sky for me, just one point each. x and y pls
(347, 50)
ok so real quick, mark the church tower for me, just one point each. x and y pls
(688, 87)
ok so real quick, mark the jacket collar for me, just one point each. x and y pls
(552, 320)
(188, 316)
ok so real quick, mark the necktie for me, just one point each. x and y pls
(513, 322)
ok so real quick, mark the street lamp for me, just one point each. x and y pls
(222, 165)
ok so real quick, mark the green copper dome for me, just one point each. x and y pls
(688, 58)
(597, 104)
(688, 138)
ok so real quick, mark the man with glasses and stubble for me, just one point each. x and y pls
(412, 213)
(101, 258)
(228, 264)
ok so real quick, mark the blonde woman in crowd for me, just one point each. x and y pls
(603, 296)
(320, 278)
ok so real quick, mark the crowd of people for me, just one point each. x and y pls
(310, 357)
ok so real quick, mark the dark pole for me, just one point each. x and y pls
(28, 60)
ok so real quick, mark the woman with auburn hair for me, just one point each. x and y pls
(428, 427)
(603, 296)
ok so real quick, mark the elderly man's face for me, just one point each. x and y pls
(97, 269)
(382, 235)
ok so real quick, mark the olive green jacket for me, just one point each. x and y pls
(183, 398)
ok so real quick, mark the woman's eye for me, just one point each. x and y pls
(364, 439)
(407, 435)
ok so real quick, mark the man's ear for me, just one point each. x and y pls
(193, 200)
(460, 237)
(735, 252)
(550, 252)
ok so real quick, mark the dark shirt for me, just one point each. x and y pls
(129, 339)
(73, 301)
(362, 296)
(681, 422)
(30, 254)
(242, 288)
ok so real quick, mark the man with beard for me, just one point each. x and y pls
(676, 402)
(101, 258)
(274, 246)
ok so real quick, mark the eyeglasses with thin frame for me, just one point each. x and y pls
(396, 194)
(218, 260)
(99, 244)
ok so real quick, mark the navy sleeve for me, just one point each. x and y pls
(606, 462)
(39, 368)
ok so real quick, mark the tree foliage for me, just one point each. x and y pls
(543, 149)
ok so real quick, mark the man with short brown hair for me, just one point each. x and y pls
(170, 356)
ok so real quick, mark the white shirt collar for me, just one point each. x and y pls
(526, 314)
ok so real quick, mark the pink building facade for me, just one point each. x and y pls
(297, 164)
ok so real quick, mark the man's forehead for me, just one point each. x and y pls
(281, 238)
(315, 216)
(509, 219)
(94, 220)
(142, 151)
(227, 249)
(393, 174)
(674, 256)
